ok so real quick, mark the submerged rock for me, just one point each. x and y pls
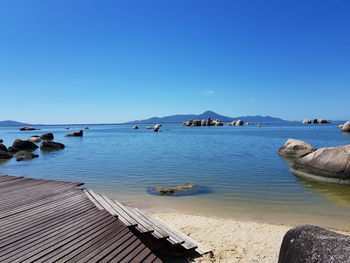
(86, 128)
(51, 146)
(75, 134)
(326, 164)
(24, 145)
(174, 189)
(23, 155)
(47, 136)
(313, 244)
(26, 128)
(295, 148)
(5, 155)
(346, 127)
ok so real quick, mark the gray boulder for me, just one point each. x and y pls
(26, 128)
(1, 141)
(24, 145)
(75, 134)
(5, 155)
(295, 148)
(51, 146)
(313, 244)
(12, 150)
(326, 164)
(47, 136)
(346, 127)
(174, 189)
(3, 148)
(24, 155)
(34, 139)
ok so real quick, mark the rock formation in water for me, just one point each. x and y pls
(306, 121)
(174, 189)
(23, 145)
(236, 123)
(295, 148)
(3, 148)
(34, 138)
(75, 134)
(26, 128)
(5, 155)
(51, 146)
(313, 244)
(346, 127)
(330, 164)
(135, 127)
(24, 155)
(47, 136)
(208, 122)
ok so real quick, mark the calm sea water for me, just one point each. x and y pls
(240, 166)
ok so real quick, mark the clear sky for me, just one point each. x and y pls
(113, 61)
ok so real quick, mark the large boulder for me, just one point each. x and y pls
(47, 136)
(3, 148)
(346, 127)
(24, 155)
(1, 141)
(24, 145)
(313, 244)
(75, 134)
(295, 148)
(306, 121)
(51, 146)
(174, 189)
(34, 139)
(326, 164)
(135, 127)
(26, 128)
(5, 155)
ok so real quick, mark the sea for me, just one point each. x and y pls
(237, 169)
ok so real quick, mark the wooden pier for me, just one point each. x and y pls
(55, 221)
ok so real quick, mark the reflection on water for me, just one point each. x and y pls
(338, 194)
(239, 164)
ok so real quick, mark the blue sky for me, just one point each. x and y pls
(114, 61)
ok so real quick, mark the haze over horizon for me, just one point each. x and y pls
(118, 61)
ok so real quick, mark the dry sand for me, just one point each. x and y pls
(230, 240)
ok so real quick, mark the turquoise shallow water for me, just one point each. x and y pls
(240, 166)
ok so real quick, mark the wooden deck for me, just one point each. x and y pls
(144, 223)
(54, 221)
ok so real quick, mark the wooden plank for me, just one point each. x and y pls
(126, 242)
(105, 247)
(33, 234)
(49, 246)
(92, 199)
(141, 256)
(143, 226)
(81, 246)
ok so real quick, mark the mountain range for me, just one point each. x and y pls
(205, 115)
(13, 123)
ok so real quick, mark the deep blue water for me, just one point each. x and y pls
(239, 165)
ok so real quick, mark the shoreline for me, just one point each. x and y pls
(231, 240)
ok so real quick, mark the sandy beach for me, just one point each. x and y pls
(231, 240)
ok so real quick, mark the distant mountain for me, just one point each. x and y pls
(205, 115)
(13, 123)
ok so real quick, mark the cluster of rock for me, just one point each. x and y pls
(345, 127)
(331, 164)
(236, 123)
(155, 127)
(313, 244)
(22, 149)
(208, 122)
(315, 121)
